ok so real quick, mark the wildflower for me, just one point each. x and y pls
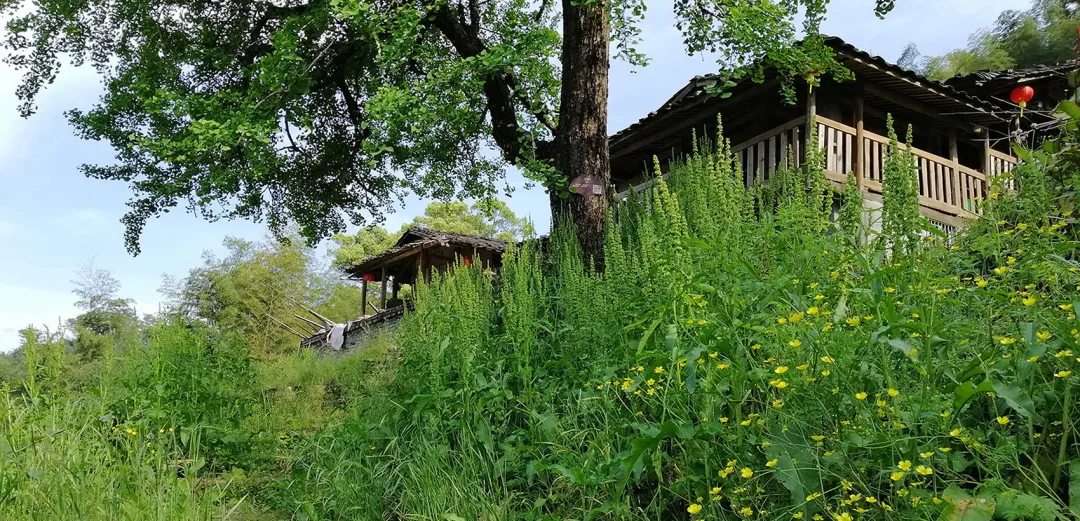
(813, 496)
(853, 321)
(843, 517)
(1033, 359)
(659, 369)
(1003, 420)
(813, 310)
(1010, 260)
(772, 463)
(746, 473)
(755, 347)
(881, 403)
(781, 320)
(926, 454)
(1063, 374)
(714, 354)
(1063, 353)
(828, 359)
(779, 384)
(725, 419)
(819, 297)
(871, 499)
(896, 476)
(779, 404)
(981, 282)
(795, 342)
(890, 289)
(1021, 226)
(702, 322)
(817, 437)
(828, 326)
(781, 369)
(1001, 270)
(803, 367)
(945, 450)
(715, 491)
(1065, 307)
(797, 515)
(746, 511)
(860, 396)
(904, 465)
(723, 366)
(650, 392)
(868, 318)
(924, 470)
(1006, 340)
(826, 372)
(936, 500)
(795, 318)
(955, 432)
(945, 414)
(894, 393)
(1043, 335)
(694, 508)
(1030, 301)
(745, 423)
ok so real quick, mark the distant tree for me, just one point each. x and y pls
(486, 218)
(1044, 34)
(107, 319)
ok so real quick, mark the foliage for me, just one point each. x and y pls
(1044, 34)
(901, 220)
(327, 113)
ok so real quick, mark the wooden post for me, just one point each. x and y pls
(811, 122)
(382, 289)
(395, 289)
(859, 148)
(363, 298)
(954, 182)
(423, 269)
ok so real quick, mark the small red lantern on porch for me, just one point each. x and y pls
(466, 261)
(369, 277)
(1021, 96)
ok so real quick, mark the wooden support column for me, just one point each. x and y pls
(363, 298)
(423, 266)
(859, 147)
(382, 289)
(811, 122)
(954, 181)
(395, 287)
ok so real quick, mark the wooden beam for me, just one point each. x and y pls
(287, 328)
(954, 181)
(382, 289)
(859, 148)
(318, 327)
(811, 120)
(423, 269)
(918, 106)
(363, 298)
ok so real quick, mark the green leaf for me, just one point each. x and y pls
(1069, 108)
(963, 507)
(1017, 399)
(1074, 487)
(966, 391)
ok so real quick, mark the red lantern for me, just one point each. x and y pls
(467, 261)
(369, 277)
(1021, 96)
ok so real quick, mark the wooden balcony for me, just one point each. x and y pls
(949, 192)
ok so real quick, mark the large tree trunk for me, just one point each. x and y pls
(582, 142)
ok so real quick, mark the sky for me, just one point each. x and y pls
(52, 219)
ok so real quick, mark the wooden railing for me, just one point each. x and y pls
(762, 155)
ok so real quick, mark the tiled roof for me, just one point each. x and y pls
(419, 236)
(988, 79)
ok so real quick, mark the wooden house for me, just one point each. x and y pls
(418, 252)
(961, 130)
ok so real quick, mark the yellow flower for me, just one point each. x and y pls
(746, 473)
(817, 437)
(881, 403)
(714, 354)
(945, 450)
(826, 372)
(925, 471)
(659, 369)
(813, 310)
(853, 321)
(797, 515)
(702, 322)
(894, 393)
(1043, 335)
(896, 476)
(819, 297)
(890, 289)
(843, 517)
(828, 359)
(1033, 359)
(780, 370)
(861, 396)
(1063, 353)
(1030, 301)
(1001, 270)
(795, 318)
(694, 508)
(779, 404)
(745, 423)
(651, 381)
(926, 454)
(904, 465)
(746, 511)
(981, 282)
(1010, 260)
(803, 367)
(781, 320)
(871, 499)
(772, 463)
(725, 419)
(723, 366)
(955, 432)
(779, 384)
(1063, 374)
(795, 342)
(937, 501)
(827, 327)
(1006, 340)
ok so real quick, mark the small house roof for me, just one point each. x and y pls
(419, 237)
(987, 83)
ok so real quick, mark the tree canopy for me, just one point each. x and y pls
(327, 112)
(1044, 34)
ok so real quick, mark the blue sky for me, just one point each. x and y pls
(52, 219)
